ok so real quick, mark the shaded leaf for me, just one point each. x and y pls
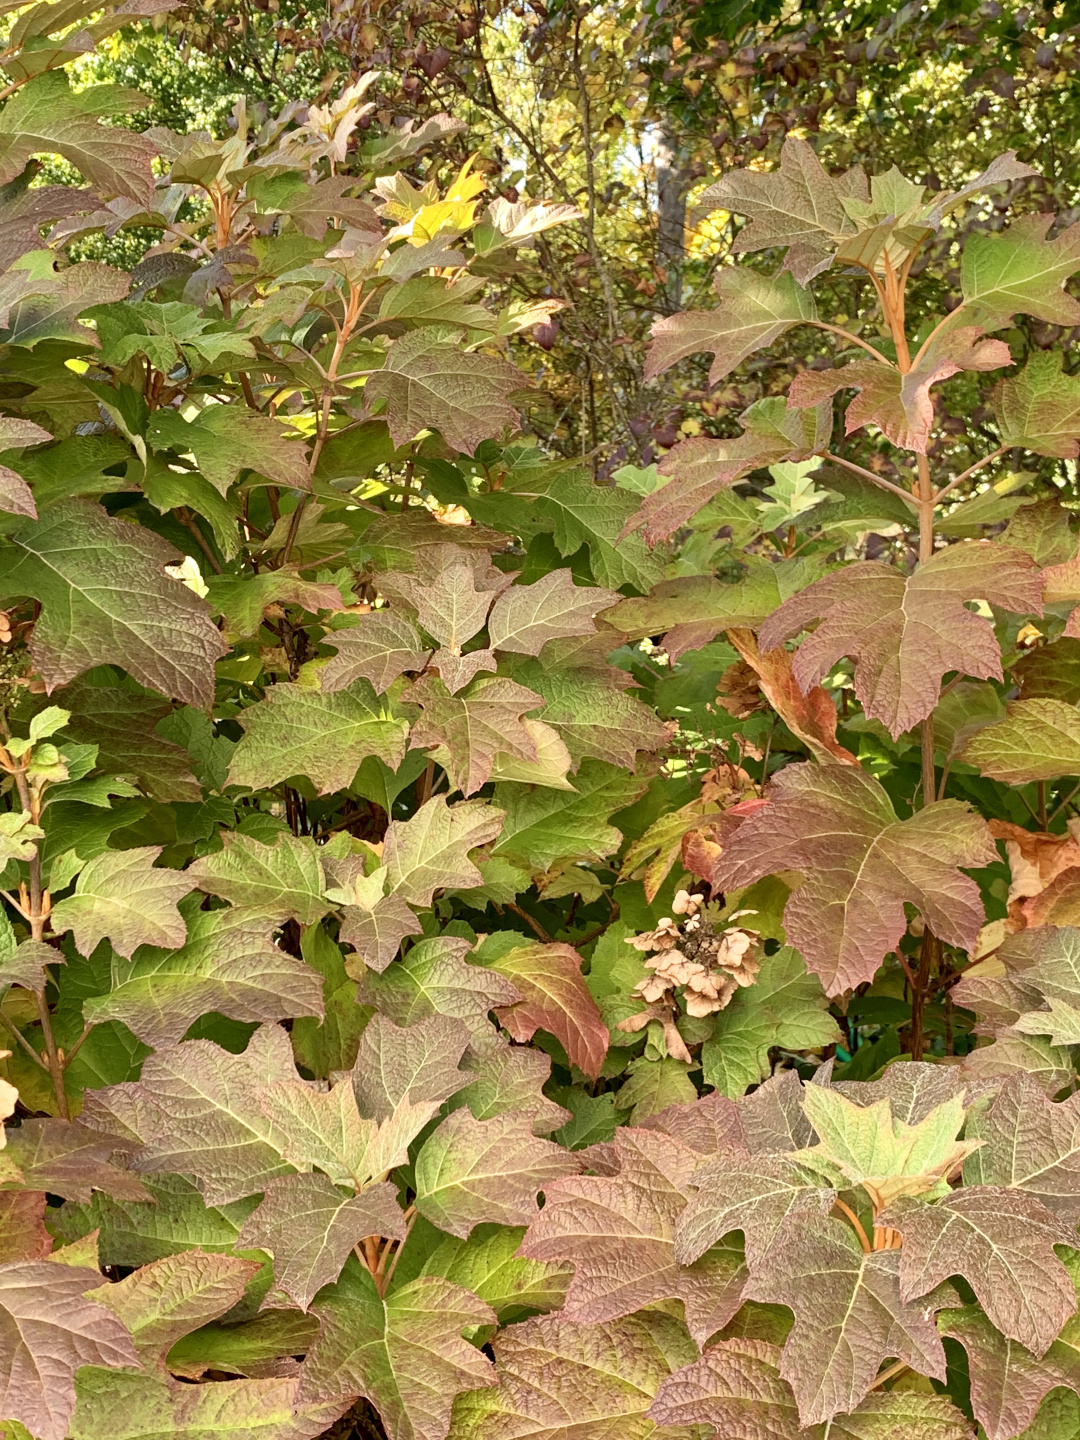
(404, 1353)
(284, 879)
(429, 383)
(228, 964)
(1029, 1144)
(434, 978)
(754, 311)
(70, 1160)
(1040, 408)
(228, 439)
(107, 601)
(299, 731)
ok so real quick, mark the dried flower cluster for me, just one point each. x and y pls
(710, 965)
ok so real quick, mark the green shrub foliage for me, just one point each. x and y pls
(487, 953)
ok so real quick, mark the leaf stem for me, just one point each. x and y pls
(859, 1231)
(855, 340)
(868, 475)
(967, 474)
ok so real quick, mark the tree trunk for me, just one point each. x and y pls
(671, 210)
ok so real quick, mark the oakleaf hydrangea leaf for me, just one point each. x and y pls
(754, 311)
(299, 731)
(1037, 740)
(470, 728)
(800, 206)
(429, 383)
(70, 1160)
(53, 1330)
(899, 403)
(765, 1196)
(554, 998)
(107, 601)
(1019, 271)
(310, 1226)
(1002, 1243)
(1040, 408)
(849, 1317)
(379, 649)
(171, 1297)
(285, 879)
(618, 1232)
(1008, 1383)
(430, 850)
(123, 896)
(904, 634)
(196, 1111)
(836, 825)
(419, 1061)
(1029, 1144)
(470, 1172)
(866, 1145)
(135, 1406)
(604, 1376)
(48, 117)
(226, 439)
(228, 964)
(404, 1353)
(525, 617)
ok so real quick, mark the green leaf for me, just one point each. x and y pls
(1019, 271)
(19, 836)
(773, 430)
(244, 599)
(430, 851)
(299, 731)
(544, 826)
(171, 1297)
(525, 617)
(604, 1376)
(836, 826)
(654, 1084)
(122, 723)
(285, 878)
(581, 512)
(867, 1145)
(786, 1007)
(47, 117)
(228, 963)
(428, 383)
(1040, 408)
(754, 311)
(404, 1353)
(122, 896)
(489, 1265)
(470, 1172)
(1037, 740)
(592, 716)
(228, 439)
(153, 1407)
(107, 601)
